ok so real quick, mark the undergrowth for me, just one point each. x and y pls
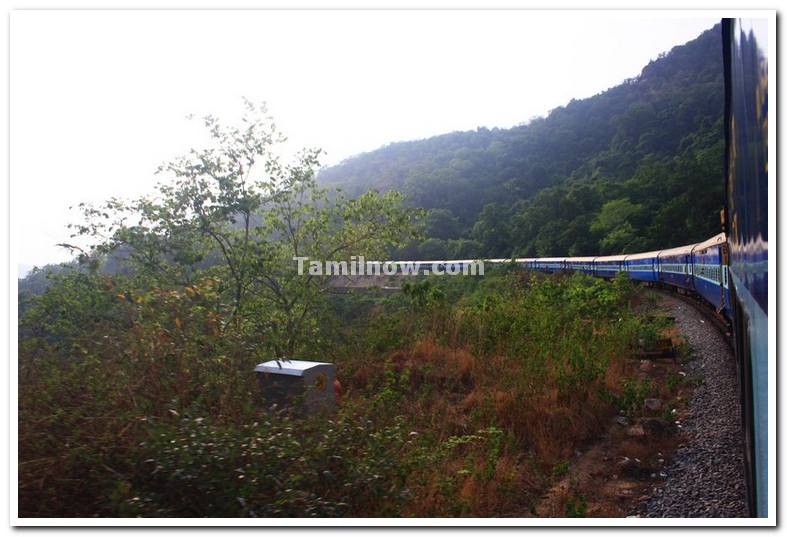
(462, 396)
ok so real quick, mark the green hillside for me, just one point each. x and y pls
(638, 166)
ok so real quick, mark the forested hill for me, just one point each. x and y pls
(638, 166)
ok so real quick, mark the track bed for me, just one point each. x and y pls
(705, 477)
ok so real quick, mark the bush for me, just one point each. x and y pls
(275, 467)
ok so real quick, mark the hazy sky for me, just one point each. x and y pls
(99, 98)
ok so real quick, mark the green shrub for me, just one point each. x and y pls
(274, 467)
(576, 507)
(634, 393)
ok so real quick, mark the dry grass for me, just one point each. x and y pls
(450, 392)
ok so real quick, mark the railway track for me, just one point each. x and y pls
(705, 309)
(705, 476)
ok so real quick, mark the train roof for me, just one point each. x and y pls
(549, 259)
(713, 241)
(643, 255)
(610, 258)
(586, 259)
(679, 250)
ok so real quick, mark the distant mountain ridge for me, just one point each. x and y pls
(488, 186)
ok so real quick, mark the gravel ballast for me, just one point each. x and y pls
(706, 475)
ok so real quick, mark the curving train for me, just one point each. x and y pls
(700, 268)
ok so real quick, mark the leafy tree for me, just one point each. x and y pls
(465, 249)
(614, 222)
(442, 224)
(237, 203)
(432, 249)
(492, 229)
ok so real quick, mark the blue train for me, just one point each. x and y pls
(746, 133)
(730, 270)
(699, 268)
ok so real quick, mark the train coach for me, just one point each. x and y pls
(747, 217)
(709, 267)
(548, 264)
(580, 264)
(644, 266)
(608, 266)
(674, 267)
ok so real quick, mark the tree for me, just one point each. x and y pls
(493, 229)
(235, 213)
(464, 249)
(432, 249)
(616, 222)
(442, 224)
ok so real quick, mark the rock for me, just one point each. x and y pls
(623, 421)
(635, 430)
(634, 470)
(655, 426)
(652, 405)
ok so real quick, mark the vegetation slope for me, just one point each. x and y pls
(637, 167)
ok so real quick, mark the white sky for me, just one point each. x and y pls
(98, 99)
